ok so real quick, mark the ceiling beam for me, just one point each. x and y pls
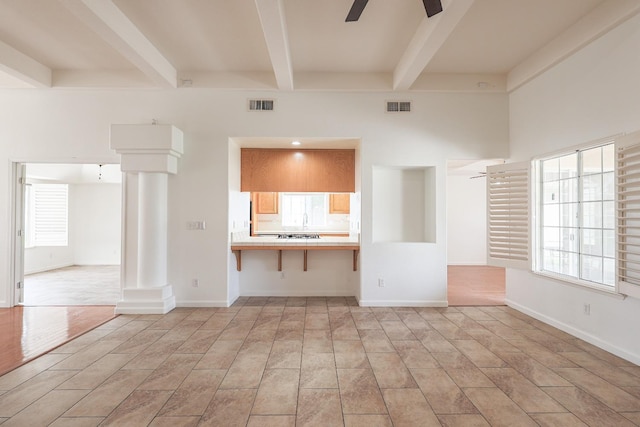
(596, 23)
(110, 23)
(23, 67)
(274, 26)
(428, 39)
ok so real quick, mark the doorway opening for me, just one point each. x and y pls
(71, 230)
(470, 281)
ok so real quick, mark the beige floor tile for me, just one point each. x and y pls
(236, 330)
(318, 371)
(319, 408)
(414, 321)
(350, 355)
(77, 422)
(45, 410)
(105, 398)
(194, 394)
(469, 377)
(87, 355)
(557, 420)
(376, 341)
(613, 374)
(478, 354)
(367, 421)
(220, 355)
(543, 355)
(396, 330)
(449, 330)
(586, 407)
(533, 370)
(345, 332)
(140, 342)
(285, 355)
(454, 360)
(434, 342)
(501, 330)
(138, 409)
(616, 398)
(359, 392)
(154, 355)
(317, 341)
(444, 396)
(229, 408)
(245, 371)
(463, 420)
(95, 374)
(175, 422)
(171, 373)
(414, 355)
(278, 393)
(522, 391)
(17, 399)
(272, 421)
(19, 375)
(199, 342)
(634, 417)
(316, 321)
(390, 372)
(218, 321)
(408, 407)
(497, 408)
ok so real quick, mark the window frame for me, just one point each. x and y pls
(537, 227)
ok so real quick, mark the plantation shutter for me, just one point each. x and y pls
(628, 212)
(50, 214)
(508, 215)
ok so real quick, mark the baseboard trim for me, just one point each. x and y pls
(296, 294)
(202, 304)
(401, 303)
(48, 268)
(578, 333)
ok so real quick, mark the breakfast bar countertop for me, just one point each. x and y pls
(240, 239)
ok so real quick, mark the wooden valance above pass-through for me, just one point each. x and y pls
(291, 170)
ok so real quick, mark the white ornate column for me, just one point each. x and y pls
(149, 153)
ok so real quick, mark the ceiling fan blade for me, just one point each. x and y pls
(356, 10)
(433, 7)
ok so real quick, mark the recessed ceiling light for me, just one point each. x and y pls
(295, 143)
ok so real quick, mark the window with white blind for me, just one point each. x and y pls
(46, 215)
(508, 215)
(585, 224)
(628, 214)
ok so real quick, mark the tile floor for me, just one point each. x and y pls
(324, 362)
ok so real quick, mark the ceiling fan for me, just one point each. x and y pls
(432, 7)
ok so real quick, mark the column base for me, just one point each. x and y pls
(158, 300)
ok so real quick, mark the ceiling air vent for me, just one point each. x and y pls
(261, 105)
(398, 106)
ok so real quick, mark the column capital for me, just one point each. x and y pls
(147, 148)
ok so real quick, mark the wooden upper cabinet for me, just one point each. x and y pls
(266, 203)
(339, 203)
(297, 170)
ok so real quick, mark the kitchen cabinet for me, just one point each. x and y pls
(290, 170)
(266, 202)
(339, 203)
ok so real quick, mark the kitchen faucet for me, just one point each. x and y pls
(305, 221)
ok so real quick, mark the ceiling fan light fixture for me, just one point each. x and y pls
(433, 7)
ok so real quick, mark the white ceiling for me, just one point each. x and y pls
(294, 44)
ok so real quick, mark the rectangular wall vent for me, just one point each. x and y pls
(261, 105)
(398, 106)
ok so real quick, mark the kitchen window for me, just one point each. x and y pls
(304, 210)
(576, 215)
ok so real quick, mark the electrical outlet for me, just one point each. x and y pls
(381, 282)
(587, 309)
(195, 283)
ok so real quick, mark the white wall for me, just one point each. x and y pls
(440, 126)
(95, 218)
(466, 220)
(591, 95)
